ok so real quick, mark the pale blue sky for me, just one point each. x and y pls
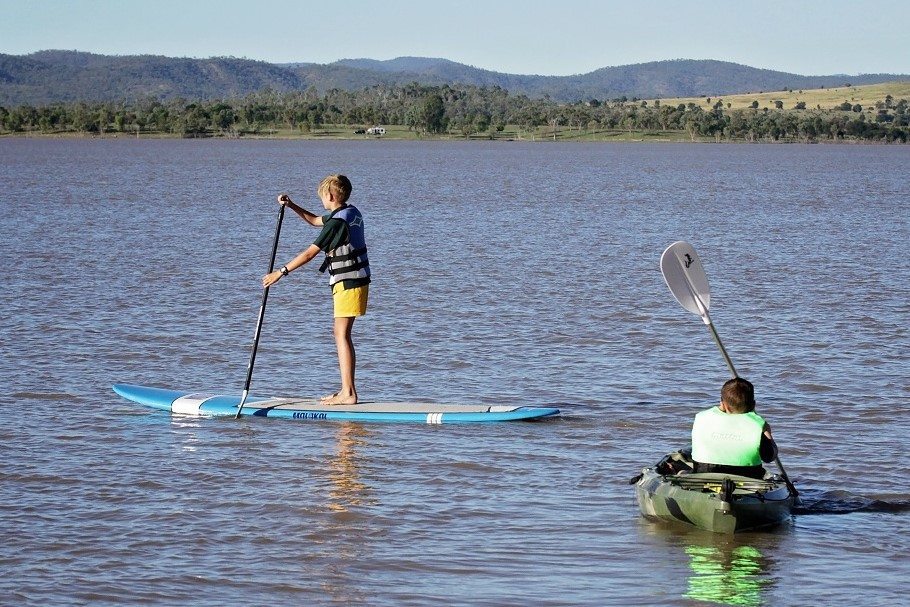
(516, 36)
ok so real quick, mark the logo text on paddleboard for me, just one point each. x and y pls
(309, 415)
(688, 261)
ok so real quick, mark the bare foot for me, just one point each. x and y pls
(339, 399)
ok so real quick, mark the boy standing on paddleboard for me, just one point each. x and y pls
(344, 243)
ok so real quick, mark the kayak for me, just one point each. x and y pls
(718, 502)
(304, 409)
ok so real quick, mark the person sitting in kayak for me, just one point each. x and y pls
(343, 241)
(731, 437)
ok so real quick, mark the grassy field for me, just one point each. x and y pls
(865, 96)
(401, 133)
(510, 133)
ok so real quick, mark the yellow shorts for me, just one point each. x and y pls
(350, 302)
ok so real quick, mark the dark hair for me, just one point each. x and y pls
(739, 395)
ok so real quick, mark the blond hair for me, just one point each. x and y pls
(337, 185)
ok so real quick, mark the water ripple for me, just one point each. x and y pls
(524, 274)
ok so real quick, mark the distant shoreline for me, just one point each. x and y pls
(871, 113)
(624, 137)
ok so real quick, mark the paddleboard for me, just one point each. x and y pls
(303, 409)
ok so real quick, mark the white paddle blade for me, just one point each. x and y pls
(686, 277)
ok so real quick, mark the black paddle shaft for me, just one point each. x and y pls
(265, 297)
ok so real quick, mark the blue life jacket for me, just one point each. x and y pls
(349, 260)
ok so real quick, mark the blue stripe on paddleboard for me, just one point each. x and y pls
(520, 413)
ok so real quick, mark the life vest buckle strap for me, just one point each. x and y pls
(354, 267)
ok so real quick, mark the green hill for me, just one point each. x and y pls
(67, 76)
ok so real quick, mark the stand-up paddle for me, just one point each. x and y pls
(686, 278)
(265, 297)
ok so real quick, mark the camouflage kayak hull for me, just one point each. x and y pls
(721, 503)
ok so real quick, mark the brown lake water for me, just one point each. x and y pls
(506, 272)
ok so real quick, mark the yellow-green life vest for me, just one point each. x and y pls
(730, 439)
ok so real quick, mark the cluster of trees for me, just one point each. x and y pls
(465, 111)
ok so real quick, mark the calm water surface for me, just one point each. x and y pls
(508, 272)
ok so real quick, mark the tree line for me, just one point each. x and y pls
(465, 111)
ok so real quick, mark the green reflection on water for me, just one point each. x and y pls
(727, 576)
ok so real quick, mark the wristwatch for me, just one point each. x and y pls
(284, 271)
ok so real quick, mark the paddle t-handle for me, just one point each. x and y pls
(265, 297)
